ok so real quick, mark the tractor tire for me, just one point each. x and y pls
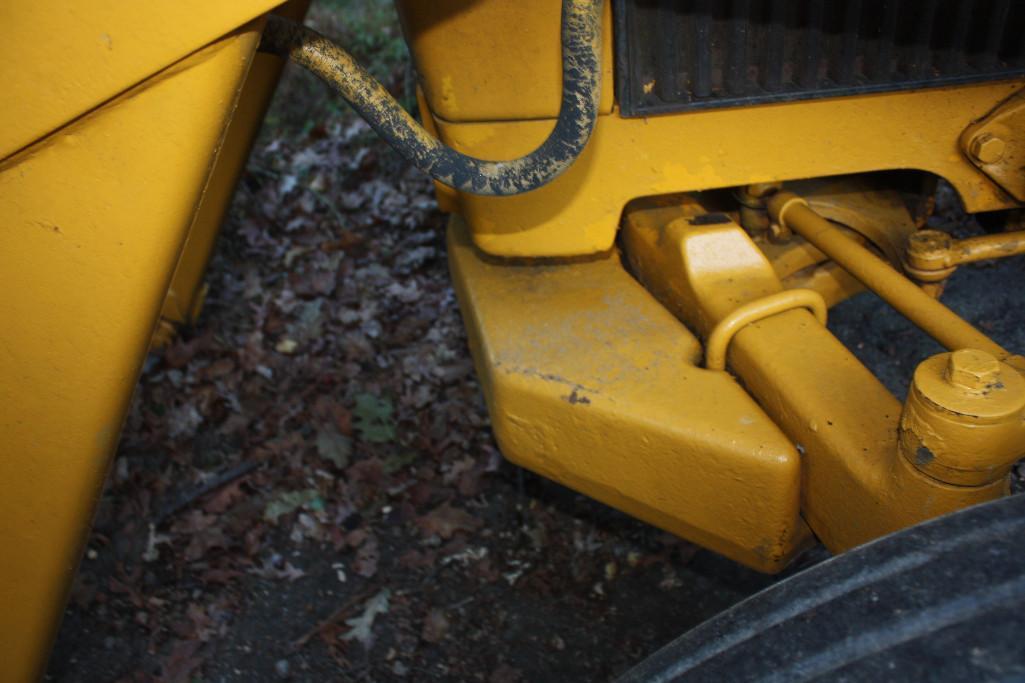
(942, 601)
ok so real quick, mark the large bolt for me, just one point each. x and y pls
(987, 148)
(926, 260)
(929, 250)
(964, 418)
(763, 190)
(972, 369)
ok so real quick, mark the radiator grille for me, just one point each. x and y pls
(675, 55)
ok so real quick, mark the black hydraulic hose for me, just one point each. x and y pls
(581, 89)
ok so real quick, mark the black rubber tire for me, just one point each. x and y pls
(942, 601)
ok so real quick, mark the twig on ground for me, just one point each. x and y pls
(209, 486)
(346, 607)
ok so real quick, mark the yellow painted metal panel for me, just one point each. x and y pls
(592, 383)
(857, 484)
(61, 58)
(964, 419)
(185, 296)
(93, 220)
(493, 61)
(579, 212)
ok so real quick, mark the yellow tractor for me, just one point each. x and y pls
(653, 207)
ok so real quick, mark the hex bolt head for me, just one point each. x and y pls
(762, 190)
(987, 148)
(929, 248)
(973, 370)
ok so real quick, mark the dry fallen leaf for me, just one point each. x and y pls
(362, 626)
(224, 498)
(286, 346)
(273, 568)
(289, 501)
(181, 662)
(334, 447)
(504, 673)
(365, 563)
(445, 520)
(436, 626)
(203, 541)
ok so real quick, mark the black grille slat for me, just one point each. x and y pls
(882, 69)
(703, 49)
(921, 50)
(813, 47)
(670, 55)
(676, 55)
(995, 32)
(849, 34)
(1015, 46)
(740, 21)
(775, 49)
(954, 54)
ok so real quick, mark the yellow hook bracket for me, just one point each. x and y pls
(720, 338)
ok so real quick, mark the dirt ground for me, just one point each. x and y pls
(307, 488)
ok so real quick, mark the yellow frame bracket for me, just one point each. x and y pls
(94, 216)
(994, 145)
(780, 302)
(935, 319)
(857, 481)
(610, 421)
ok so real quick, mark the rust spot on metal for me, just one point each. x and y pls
(574, 398)
(710, 219)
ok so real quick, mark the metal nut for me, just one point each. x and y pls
(762, 190)
(987, 148)
(972, 369)
(929, 248)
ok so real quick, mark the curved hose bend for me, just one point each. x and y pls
(581, 90)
